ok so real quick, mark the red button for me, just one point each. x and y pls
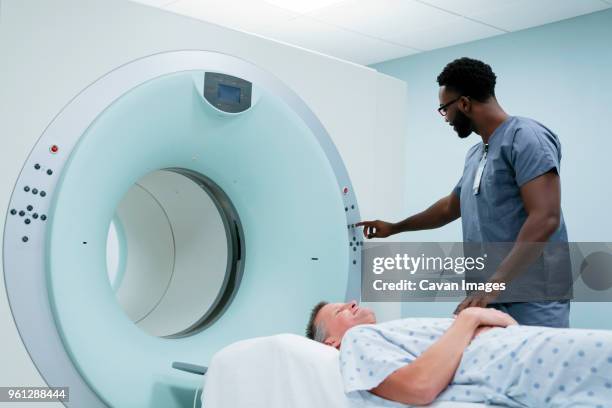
(54, 149)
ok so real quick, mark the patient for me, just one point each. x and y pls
(482, 355)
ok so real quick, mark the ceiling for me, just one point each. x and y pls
(371, 31)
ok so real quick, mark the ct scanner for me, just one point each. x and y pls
(188, 195)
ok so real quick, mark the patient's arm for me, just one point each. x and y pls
(421, 381)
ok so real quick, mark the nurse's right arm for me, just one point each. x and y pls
(442, 212)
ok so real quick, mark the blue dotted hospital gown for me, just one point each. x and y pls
(518, 366)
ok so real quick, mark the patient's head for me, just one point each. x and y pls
(329, 321)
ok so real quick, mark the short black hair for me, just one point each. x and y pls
(469, 77)
(311, 328)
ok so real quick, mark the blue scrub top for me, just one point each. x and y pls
(519, 150)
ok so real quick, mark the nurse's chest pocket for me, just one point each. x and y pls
(499, 184)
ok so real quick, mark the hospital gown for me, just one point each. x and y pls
(517, 366)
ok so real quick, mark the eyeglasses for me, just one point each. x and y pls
(442, 109)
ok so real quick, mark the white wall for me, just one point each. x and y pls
(51, 50)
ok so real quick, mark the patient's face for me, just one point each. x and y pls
(339, 317)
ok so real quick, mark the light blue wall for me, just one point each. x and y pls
(559, 74)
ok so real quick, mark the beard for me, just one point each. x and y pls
(462, 125)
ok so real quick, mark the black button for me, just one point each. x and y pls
(30, 208)
(345, 208)
(43, 217)
(354, 262)
(354, 248)
(35, 216)
(26, 189)
(354, 239)
(21, 213)
(37, 166)
(13, 211)
(27, 221)
(350, 244)
(34, 191)
(24, 239)
(49, 172)
(42, 194)
(352, 207)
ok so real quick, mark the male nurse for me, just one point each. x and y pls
(509, 192)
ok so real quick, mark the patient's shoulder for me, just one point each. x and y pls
(362, 328)
(378, 328)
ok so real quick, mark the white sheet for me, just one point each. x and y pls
(279, 371)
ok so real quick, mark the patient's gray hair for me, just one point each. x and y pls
(316, 332)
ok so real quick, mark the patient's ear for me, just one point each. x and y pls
(332, 341)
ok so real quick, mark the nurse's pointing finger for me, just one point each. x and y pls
(366, 227)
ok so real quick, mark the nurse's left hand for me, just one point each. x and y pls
(476, 299)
